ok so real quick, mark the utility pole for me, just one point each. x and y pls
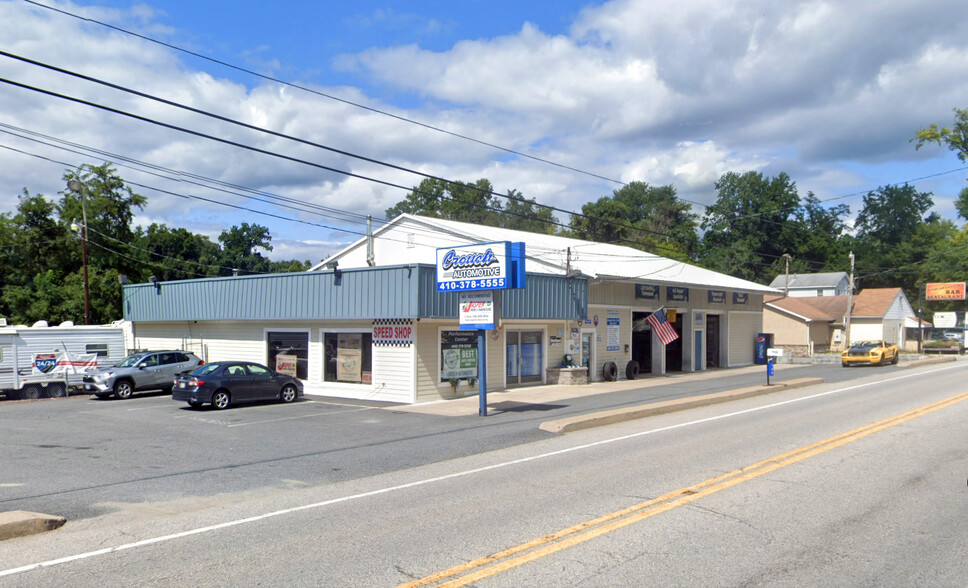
(76, 185)
(850, 302)
(787, 257)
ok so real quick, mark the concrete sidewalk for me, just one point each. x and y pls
(537, 395)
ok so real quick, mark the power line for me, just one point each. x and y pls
(324, 95)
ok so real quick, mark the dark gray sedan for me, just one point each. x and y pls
(223, 383)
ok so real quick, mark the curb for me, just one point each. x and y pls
(928, 361)
(18, 523)
(619, 415)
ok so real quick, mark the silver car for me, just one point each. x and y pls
(149, 370)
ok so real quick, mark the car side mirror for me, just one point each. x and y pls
(142, 366)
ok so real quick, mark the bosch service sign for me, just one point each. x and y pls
(472, 267)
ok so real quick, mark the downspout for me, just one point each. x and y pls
(370, 259)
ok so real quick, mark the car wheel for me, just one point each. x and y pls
(123, 389)
(288, 393)
(221, 399)
(194, 404)
(31, 392)
(844, 364)
(57, 390)
(894, 361)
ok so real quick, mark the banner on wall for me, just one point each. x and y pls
(393, 332)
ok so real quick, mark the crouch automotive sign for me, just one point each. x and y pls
(483, 266)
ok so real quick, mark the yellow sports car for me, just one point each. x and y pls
(873, 352)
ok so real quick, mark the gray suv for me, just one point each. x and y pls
(149, 370)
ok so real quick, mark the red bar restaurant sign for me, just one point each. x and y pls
(944, 291)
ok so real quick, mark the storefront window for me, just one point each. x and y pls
(348, 357)
(289, 353)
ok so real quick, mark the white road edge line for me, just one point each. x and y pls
(315, 505)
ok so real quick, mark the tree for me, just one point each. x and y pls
(746, 229)
(817, 237)
(647, 217)
(240, 246)
(474, 203)
(175, 253)
(110, 204)
(956, 138)
(891, 214)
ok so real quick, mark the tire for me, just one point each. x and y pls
(30, 392)
(894, 361)
(221, 399)
(632, 370)
(842, 364)
(288, 393)
(610, 371)
(123, 389)
(57, 390)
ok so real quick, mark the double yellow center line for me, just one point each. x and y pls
(524, 553)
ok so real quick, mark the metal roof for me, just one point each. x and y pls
(405, 291)
(821, 280)
(412, 238)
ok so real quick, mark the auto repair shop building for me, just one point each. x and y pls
(369, 323)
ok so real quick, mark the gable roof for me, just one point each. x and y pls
(875, 302)
(813, 308)
(549, 254)
(821, 280)
(868, 303)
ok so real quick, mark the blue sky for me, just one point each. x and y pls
(667, 93)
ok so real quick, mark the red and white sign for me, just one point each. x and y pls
(477, 310)
(393, 332)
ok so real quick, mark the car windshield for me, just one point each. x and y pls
(865, 345)
(131, 360)
(206, 369)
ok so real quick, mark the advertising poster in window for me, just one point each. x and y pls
(286, 364)
(458, 355)
(349, 357)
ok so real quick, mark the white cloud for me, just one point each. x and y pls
(678, 93)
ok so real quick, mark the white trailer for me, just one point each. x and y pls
(41, 360)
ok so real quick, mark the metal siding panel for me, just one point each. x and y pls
(399, 292)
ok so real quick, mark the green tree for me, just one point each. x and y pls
(746, 231)
(175, 253)
(647, 217)
(816, 237)
(956, 138)
(110, 205)
(240, 249)
(891, 214)
(475, 203)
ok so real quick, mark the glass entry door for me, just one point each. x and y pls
(525, 357)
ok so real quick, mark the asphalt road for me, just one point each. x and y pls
(74, 457)
(351, 495)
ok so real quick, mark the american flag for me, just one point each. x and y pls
(660, 324)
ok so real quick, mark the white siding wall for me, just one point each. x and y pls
(743, 327)
(215, 341)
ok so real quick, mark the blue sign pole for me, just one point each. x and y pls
(769, 369)
(482, 370)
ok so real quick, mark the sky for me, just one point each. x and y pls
(563, 101)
